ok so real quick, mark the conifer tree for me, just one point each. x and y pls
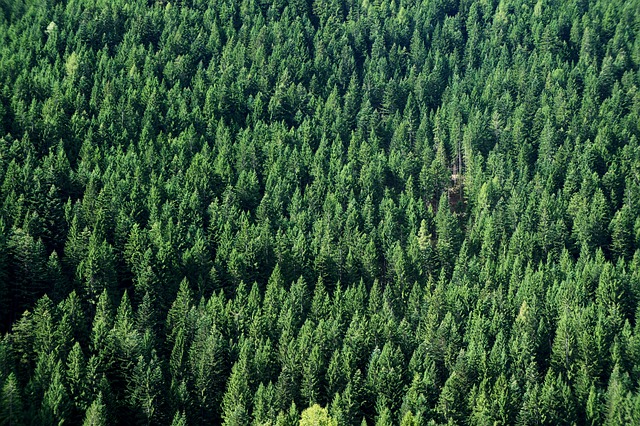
(96, 413)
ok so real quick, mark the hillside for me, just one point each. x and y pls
(406, 212)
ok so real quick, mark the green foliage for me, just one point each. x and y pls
(316, 416)
(96, 415)
(12, 407)
(405, 212)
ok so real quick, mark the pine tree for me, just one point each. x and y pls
(97, 270)
(96, 413)
(145, 390)
(235, 409)
(556, 401)
(55, 403)
(11, 406)
(102, 324)
(207, 360)
(177, 316)
(622, 241)
(448, 234)
(75, 379)
(179, 419)
(616, 398)
(385, 377)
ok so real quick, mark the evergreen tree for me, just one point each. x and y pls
(96, 413)
(12, 406)
(235, 211)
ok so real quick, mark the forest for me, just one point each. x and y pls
(319, 212)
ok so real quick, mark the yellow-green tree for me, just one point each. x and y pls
(317, 416)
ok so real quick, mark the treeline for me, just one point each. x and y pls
(406, 212)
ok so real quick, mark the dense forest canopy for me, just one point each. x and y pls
(336, 212)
